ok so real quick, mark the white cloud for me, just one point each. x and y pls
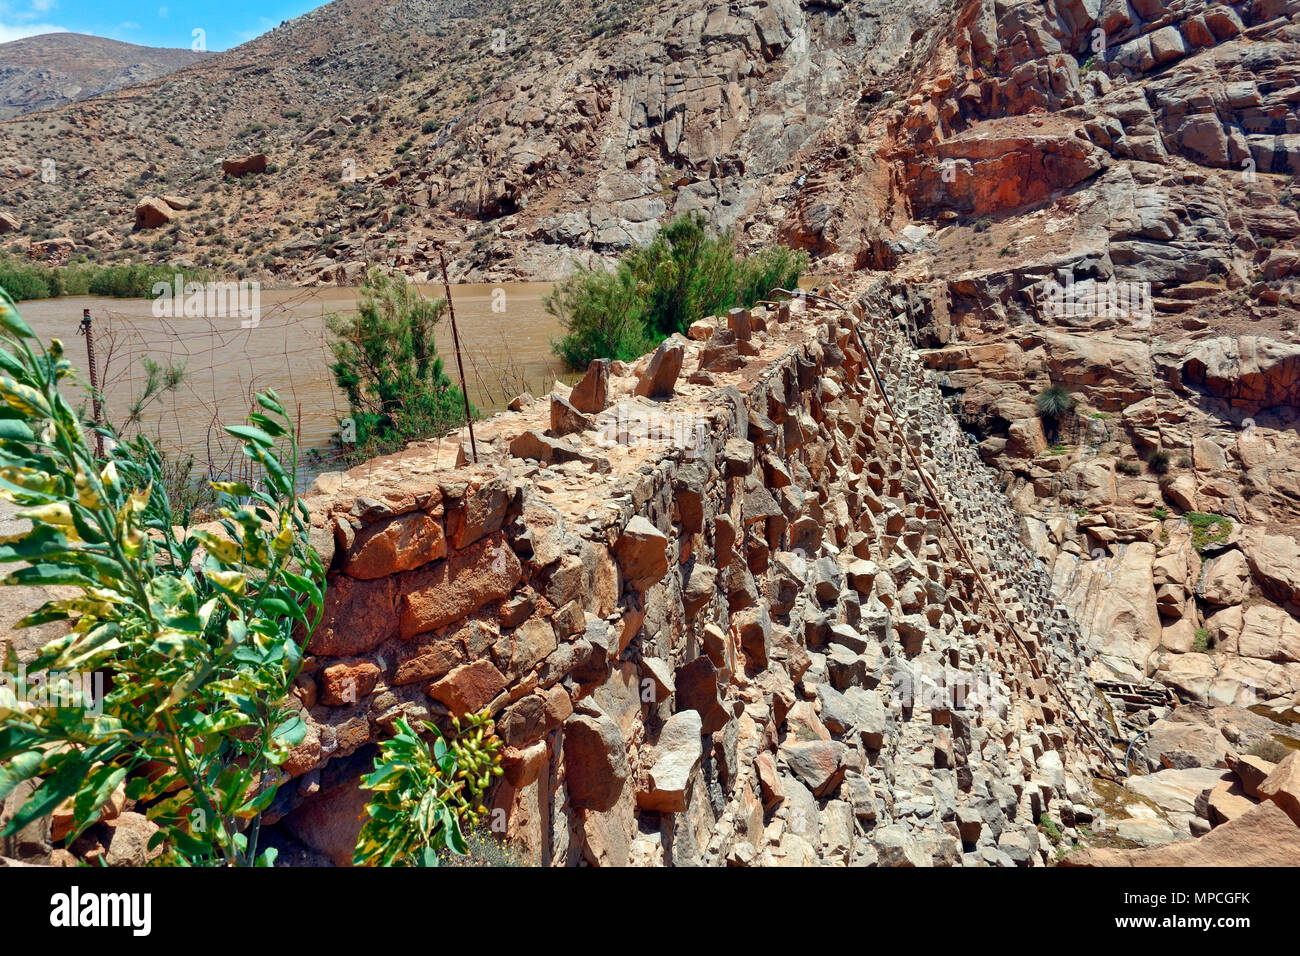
(8, 33)
(44, 6)
(163, 13)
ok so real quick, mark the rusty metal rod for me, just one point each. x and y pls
(87, 330)
(460, 366)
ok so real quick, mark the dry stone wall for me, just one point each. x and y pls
(718, 616)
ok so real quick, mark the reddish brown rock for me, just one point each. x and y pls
(457, 586)
(591, 394)
(330, 822)
(476, 509)
(400, 544)
(520, 767)
(428, 658)
(1282, 787)
(660, 375)
(697, 689)
(152, 213)
(641, 552)
(357, 617)
(566, 419)
(345, 684)
(595, 761)
(469, 688)
(243, 165)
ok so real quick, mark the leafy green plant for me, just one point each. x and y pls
(386, 362)
(1159, 461)
(602, 315)
(423, 795)
(1208, 529)
(31, 280)
(1053, 404)
(684, 274)
(1160, 513)
(1201, 643)
(199, 631)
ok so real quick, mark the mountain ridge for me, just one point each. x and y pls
(52, 69)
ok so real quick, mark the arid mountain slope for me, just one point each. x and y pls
(42, 72)
(526, 139)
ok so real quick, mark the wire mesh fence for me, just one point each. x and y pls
(181, 379)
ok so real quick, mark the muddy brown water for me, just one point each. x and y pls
(505, 336)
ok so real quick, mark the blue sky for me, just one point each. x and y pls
(225, 23)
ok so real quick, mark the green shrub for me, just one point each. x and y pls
(1274, 751)
(25, 281)
(423, 796)
(1208, 529)
(386, 362)
(602, 312)
(1158, 463)
(199, 632)
(1128, 467)
(1054, 402)
(1201, 643)
(682, 276)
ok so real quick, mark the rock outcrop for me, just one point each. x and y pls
(787, 643)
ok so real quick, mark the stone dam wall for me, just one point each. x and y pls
(716, 612)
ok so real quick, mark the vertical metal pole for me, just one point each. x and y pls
(87, 329)
(460, 366)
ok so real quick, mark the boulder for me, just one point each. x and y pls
(1227, 801)
(1226, 578)
(449, 590)
(595, 761)
(1251, 771)
(1182, 742)
(1282, 787)
(642, 553)
(818, 763)
(398, 544)
(566, 419)
(128, 842)
(1275, 561)
(468, 688)
(660, 373)
(243, 165)
(591, 394)
(677, 754)
(1265, 836)
(152, 213)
